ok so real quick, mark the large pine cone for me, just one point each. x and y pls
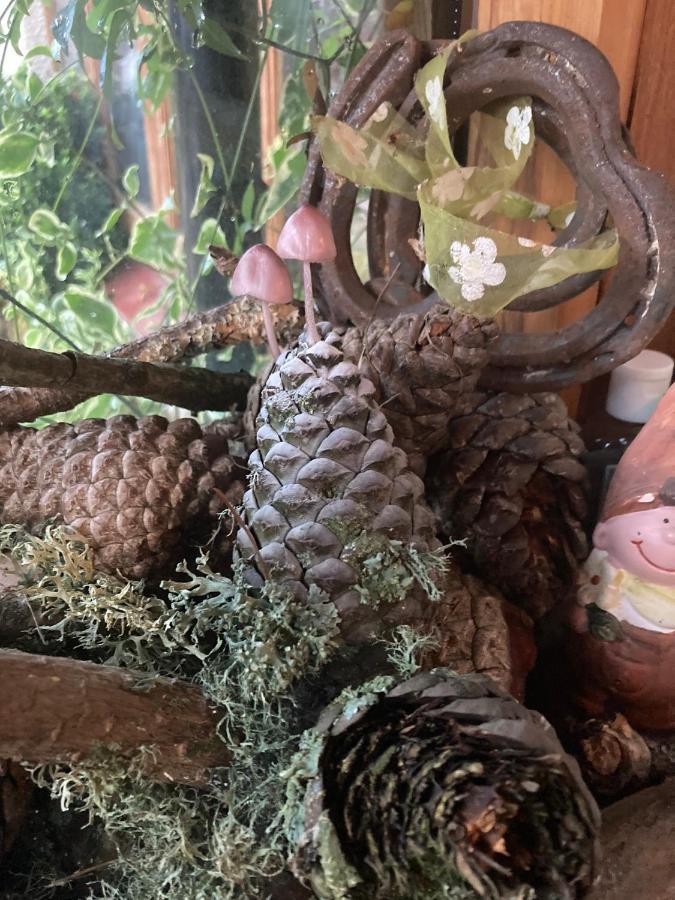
(424, 368)
(332, 501)
(443, 787)
(513, 485)
(477, 631)
(134, 489)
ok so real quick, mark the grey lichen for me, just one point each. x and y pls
(388, 569)
(405, 648)
(246, 650)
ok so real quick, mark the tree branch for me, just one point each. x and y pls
(224, 326)
(192, 388)
(60, 710)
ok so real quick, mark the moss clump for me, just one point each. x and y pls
(246, 650)
(389, 569)
(405, 648)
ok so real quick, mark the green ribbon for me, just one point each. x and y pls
(477, 269)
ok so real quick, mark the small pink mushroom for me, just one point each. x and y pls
(307, 236)
(260, 273)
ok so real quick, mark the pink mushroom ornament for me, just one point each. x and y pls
(307, 236)
(261, 274)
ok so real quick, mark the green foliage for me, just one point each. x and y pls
(54, 125)
(17, 152)
(64, 225)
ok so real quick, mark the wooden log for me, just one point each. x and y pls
(61, 710)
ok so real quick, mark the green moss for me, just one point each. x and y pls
(389, 569)
(246, 650)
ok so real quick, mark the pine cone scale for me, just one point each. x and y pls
(131, 488)
(511, 483)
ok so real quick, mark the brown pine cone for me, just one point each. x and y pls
(424, 368)
(477, 631)
(134, 489)
(442, 786)
(512, 485)
(332, 502)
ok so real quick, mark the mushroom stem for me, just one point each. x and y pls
(269, 328)
(310, 321)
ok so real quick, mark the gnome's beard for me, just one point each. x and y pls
(631, 599)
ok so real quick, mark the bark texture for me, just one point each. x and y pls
(477, 631)
(224, 326)
(61, 710)
(638, 841)
(194, 389)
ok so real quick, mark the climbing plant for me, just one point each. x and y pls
(67, 223)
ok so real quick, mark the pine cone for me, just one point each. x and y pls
(443, 787)
(132, 488)
(424, 367)
(512, 484)
(477, 631)
(332, 502)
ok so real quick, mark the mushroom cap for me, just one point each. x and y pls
(307, 235)
(263, 275)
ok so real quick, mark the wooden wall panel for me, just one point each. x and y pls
(614, 26)
(652, 119)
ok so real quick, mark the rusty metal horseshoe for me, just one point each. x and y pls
(575, 104)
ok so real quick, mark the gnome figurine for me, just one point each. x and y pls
(624, 647)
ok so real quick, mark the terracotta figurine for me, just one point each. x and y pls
(625, 615)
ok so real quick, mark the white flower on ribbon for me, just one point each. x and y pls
(434, 94)
(476, 268)
(526, 242)
(517, 131)
(547, 250)
(380, 113)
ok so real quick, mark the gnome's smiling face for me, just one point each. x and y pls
(642, 543)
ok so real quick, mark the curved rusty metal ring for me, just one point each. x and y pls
(393, 221)
(568, 76)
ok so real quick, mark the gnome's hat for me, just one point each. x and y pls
(645, 476)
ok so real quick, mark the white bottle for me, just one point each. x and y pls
(636, 387)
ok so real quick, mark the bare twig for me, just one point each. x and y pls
(38, 318)
(225, 326)
(238, 520)
(188, 387)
